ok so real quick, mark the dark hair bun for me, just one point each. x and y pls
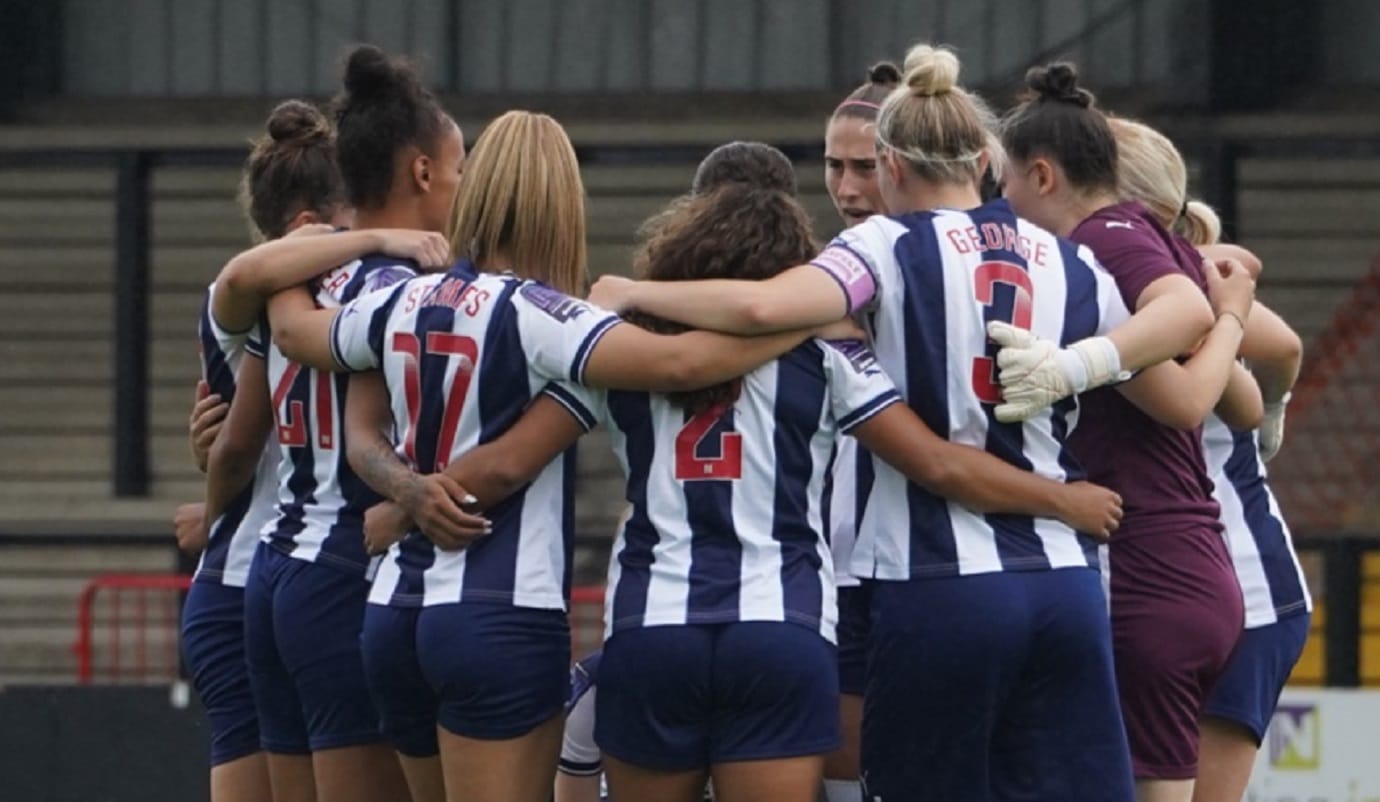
(1058, 81)
(885, 73)
(370, 75)
(296, 122)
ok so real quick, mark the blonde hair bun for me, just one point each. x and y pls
(931, 71)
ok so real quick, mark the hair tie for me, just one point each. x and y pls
(867, 104)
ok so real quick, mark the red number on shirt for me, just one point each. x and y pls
(446, 344)
(728, 465)
(985, 280)
(292, 424)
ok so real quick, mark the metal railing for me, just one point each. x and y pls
(166, 591)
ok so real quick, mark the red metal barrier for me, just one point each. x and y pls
(167, 588)
(586, 620)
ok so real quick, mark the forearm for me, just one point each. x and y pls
(725, 305)
(1165, 327)
(229, 470)
(1241, 406)
(300, 330)
(709, 357)
(1208, 371)
(967, 475)
(1274, 352)
(288, 261)
(375, 461)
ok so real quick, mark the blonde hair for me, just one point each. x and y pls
(522, 198)
(1151, 170)
(940, 129)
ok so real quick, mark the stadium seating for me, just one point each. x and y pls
(1311, 221)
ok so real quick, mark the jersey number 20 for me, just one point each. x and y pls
(728, 464)
(985, 279)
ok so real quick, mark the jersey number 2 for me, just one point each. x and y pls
(443, 343)
(728, 464)
(985, 279)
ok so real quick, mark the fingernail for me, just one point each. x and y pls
(470, 499)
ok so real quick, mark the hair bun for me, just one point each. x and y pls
(884, 73)
(1058, 81)
(294, 121)
(931, 70)
(370, 74)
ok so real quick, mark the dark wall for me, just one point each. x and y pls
(102, 744)
(30, 51)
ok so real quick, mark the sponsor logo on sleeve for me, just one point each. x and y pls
(843, 263)
(553, 302)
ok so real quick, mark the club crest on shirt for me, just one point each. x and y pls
(553, 302)
(385, 277)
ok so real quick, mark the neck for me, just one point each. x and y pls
(390, 215)
(925, 197)
(1080, 208)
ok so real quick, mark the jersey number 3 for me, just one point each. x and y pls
(691, 467)
(985, 280)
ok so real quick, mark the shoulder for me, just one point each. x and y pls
(1116, 227)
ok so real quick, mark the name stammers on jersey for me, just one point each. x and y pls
(929, 283)
(463, 355)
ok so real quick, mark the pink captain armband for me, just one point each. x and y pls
(855, 278)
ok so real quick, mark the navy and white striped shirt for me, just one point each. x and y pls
(233, 536)
(321, 502)
(463, 356)
(1262, 551)
(928, 283)
(727, 518)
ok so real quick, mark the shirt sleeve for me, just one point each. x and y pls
(558, 332)
(858, 387)
(852, 259)
(585, 404)
(358, 329)
(257, 342)
(1111, 308)
(580, 756)
(1133, 255)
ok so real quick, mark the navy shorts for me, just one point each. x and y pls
(993, 687)
(213, 645)
(854, 622)
(499, 671)
(406, 703)
(690, 696)
(302, 624)
(1249, 689)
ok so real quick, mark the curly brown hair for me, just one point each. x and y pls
(738, 231)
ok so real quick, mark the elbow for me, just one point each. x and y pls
(1184, 417)
(236, 277)
(1198, 323)
(757, 315)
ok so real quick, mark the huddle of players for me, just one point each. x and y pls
(960, 649)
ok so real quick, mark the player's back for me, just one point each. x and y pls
(463, 354)
(941, 277)
(321, 501)
(727, 522)
(232, 538)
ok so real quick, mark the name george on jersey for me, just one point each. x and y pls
(997, 237)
